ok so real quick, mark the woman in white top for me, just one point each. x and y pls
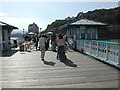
(42, 41)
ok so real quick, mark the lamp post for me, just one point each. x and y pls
(23, 33)
(40, 29)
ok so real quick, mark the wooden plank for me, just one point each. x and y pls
(27, 70)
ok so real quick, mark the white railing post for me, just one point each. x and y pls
(119, 56)
(106, 51)
(97, 49)
(90, 47)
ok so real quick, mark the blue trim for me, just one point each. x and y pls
(114, 63)
(101, 59)
(87, 53)
(99, 41)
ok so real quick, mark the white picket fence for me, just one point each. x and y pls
(105, 51)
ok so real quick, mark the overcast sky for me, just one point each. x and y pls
(21, 14)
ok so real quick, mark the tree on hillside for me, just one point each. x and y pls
(109, 16)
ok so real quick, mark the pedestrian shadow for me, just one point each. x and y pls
(49, 63)
(69, 63)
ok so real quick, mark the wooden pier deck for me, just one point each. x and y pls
(27, 70)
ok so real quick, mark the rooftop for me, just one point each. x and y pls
(87, 22)
(33, 24)
(83, 22)
(7, 25)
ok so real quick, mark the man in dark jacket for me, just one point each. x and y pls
(53, 39)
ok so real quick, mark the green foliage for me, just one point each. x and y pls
(109, 16)
(114, 32)
(54, 26)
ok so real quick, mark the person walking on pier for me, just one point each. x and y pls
(61, 49)
(53, 43)
(42, 41)
(47, 42)
(36, 43)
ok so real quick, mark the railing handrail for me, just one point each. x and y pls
(100, 41)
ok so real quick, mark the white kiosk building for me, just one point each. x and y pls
(5, 33)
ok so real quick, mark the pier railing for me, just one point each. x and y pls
(105, 51)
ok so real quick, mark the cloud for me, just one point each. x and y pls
(21, 22)
(3, 14)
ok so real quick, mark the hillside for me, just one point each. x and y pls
(109, 16)
(54, 26)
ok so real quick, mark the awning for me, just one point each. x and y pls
(7, 25)
(31, 33)
(49, 32)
